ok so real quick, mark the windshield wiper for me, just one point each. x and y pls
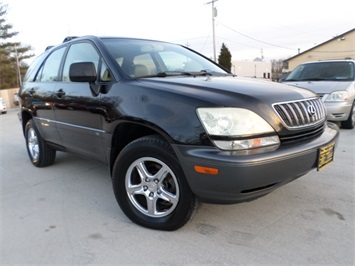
(307, 79)
(173, 73)
(184, 73)
(314, 79)
(206, 73)
(215, 73)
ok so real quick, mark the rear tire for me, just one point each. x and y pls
(40, 153)
(350, 122)
(150, 185)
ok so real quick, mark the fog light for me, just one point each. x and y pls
(244, 144)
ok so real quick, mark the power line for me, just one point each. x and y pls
(275, 45)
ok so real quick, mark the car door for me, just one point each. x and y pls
(77, 107)
(39, 93)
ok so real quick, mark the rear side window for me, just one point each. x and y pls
(50, 70)
(32, 70)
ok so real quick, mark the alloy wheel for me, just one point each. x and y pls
(152, 187)
(32, 142)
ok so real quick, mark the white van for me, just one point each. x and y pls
(334, 81)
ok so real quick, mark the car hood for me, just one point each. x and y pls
(321, 87)
(229, 90)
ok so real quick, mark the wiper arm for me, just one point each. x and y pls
(313, 79)
(291, 80)
(166, 74)
(173, 73)
(214, 73)
(205, 73)
(181, 73)
(307, 79)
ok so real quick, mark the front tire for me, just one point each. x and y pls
(350, 122)
(150, 186)
(40, 153)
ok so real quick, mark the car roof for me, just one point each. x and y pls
(95, 38)
(330, 61)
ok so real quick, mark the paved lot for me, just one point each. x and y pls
(67, 214)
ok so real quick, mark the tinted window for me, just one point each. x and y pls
(80, 52)
(50, 70)
(32, 70)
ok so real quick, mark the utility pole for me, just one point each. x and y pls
(214, 14)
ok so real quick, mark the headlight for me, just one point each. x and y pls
(243, 128)
(337, 96)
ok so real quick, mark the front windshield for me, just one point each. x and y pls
(328, 71)
(143, 58)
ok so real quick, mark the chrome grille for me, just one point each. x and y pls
(303, 113)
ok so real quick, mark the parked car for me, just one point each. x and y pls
(334, 82)
(3, 109)
(16, 99)
(173, 127)
(284, 76)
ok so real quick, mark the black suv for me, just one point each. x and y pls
(173, 127)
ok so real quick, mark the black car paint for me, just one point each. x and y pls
(74, 117)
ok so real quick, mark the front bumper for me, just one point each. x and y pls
(244, 178)
(338, 111)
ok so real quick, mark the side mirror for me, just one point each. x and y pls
(82, 72)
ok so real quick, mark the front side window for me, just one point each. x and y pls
(80, 52)
(50, 70)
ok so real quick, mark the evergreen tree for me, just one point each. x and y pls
(12, 54)
(225, 57)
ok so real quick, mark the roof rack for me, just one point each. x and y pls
(49, 47)
(69, 38)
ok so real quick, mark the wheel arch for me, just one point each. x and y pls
(25, 117)
(127, 132)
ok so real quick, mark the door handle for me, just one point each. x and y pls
(60, 93)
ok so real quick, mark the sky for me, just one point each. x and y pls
(273, 29)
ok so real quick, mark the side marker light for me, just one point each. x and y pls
(206, 170)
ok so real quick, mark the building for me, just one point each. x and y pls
(9, 97)
(339, 47)
(252, 69)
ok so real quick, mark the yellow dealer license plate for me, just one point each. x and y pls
(325, 156)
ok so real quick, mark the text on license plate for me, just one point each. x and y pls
(325, 156)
